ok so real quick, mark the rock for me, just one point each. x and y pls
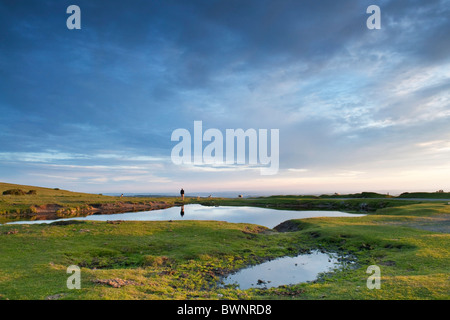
(260, 282)
(55, 296)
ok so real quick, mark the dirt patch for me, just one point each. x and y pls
(55, 211)
(117, 283)
(114, 221)
(13, 231)
(46, 208)
(120, 207)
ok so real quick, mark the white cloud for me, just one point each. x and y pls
(297, 170)
(39, 156)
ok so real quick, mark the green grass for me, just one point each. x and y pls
(24, 204)
(161, 255)
(184, 259)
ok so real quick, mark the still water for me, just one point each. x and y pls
(284, 271)
(260, 216)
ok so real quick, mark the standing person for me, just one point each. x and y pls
(182, 194)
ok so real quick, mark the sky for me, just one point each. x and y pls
(357, 109)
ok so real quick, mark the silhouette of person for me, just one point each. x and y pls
(182, 194)
(182, 211)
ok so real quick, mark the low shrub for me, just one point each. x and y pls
(19, 192)
(14, 192)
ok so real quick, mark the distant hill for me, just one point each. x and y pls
(357, 195)
(425, 195)
(39, 190)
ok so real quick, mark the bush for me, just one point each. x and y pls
(15, 192)
(32, 192)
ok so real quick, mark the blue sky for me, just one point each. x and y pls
(93, 109)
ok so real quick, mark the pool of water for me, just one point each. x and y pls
(284, 271)
(260, 216)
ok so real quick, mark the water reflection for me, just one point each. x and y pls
(283, 271)
(261, 216)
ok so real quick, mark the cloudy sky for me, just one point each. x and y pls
(357, 110)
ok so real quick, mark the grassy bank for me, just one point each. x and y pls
(309, 203)
(67, 203)
(185, 259)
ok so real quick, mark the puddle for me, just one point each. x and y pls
(284, 271)
(255, 215)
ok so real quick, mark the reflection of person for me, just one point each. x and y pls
(182, 194)
(182, 211)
